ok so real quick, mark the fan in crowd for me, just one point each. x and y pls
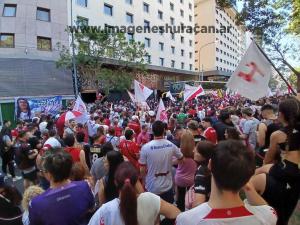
(215, 161)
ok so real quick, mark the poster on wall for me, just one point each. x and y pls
(27, 108)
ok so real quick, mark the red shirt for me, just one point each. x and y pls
(118, 131)
(211, 135)
(192, 112)
(75, 153)
(135, 127)
(107, 122)
(131, 151)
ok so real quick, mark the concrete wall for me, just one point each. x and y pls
(26, 28)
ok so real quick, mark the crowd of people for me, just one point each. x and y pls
(218, 160)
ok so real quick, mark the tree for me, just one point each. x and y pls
(104, 60)
(269, 20)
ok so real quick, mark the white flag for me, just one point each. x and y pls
(161, 112)
(252, 76)
(131, 96)
(81, 107)
(169, 95)
(191, 92)
(141, 92)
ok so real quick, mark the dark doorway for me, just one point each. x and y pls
(89, 97)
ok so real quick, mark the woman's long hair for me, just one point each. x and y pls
(114, 159)
(187, 144)
(290, 109)
(126, 177)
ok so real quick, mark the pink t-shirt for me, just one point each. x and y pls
(185, 173)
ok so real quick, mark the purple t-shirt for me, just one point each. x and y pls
(67, 205)
(185, 173)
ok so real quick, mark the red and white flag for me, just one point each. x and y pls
(80, 106)
(131, 96)
(191, 92)
(141, 92)
(161, 112)
(170, 96)
(252, 76)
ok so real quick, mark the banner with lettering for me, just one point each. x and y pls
(26, 107)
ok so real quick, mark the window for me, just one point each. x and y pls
(182, 65)
(181, 1)
(44, 43)
(217, 58)
(172, 6)
(10, 10)
(130, 37)
(182, 52)
(191, 55)
(161, 61)
(129, 18)
(129, 2)
(161, 46)
(190, 6)
(82, 2)
(191, 42)
(182, 39)
(172, 20)
(146, 7)
(147, 42)
(7, 40)
(146, 23)
(173, 49)
(43, 14)
(108, 10)
(217, 49)
(160, 1)
(148, 58)
(82, 21)
(190, 18)
(181, 13)
(160, 14)
(191, 67)
(172, 63)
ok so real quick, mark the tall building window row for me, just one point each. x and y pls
(108, 10)
(7, 40)
(9, 10)
(83, 3)
(44, 43)
(43, 14)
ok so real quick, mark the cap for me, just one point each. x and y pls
(134, 117)
(151, 113)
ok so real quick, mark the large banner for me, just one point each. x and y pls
(26, 108)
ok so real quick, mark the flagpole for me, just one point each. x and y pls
(279, 73)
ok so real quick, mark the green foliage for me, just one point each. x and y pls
(97, 51)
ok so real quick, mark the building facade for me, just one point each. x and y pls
(31, 29)
(164, 48)
(217, 54)
(29, 32)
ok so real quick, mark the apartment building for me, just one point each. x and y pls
(217, 54)
(165, 49)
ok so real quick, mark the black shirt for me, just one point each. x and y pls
(203, 181)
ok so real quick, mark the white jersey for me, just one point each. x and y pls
(157, 156)
(148, 207)
(245, 215)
